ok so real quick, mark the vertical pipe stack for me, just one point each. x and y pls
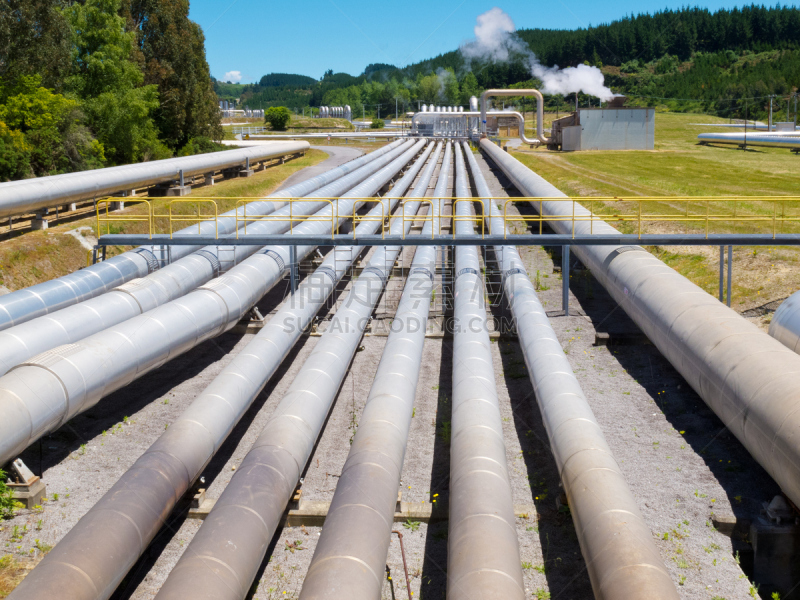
(44, 298)
(622, 560)
(223, 558)
(483, 552)
(92, 559)
(349, 559)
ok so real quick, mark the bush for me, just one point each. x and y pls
(7, 502)
(200, 145)
(377, 124)
(278, 117)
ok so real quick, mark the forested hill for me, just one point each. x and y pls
(728, 62)
(92, 83)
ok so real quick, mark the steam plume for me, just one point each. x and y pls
(496, 41)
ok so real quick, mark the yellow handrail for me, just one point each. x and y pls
(147, 218)
(200, 218)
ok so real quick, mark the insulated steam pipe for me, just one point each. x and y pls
(785, 324)
(43, 393)
(43, 298)
(223, 558)
(27, 195)
(539, 112)
(76, 322)
(467, 114)
(351, 553)
(773, 140)
(622, 560)
(96, 554)
(483, 559)
(745, 376)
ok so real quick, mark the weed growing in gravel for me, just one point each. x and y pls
(541, 594)
(699, 495)
(682, 580)
(82, 452)
(412, 525)
(527, 565)
(540, 569)
(711, 547)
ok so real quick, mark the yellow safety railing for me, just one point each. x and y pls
(478, 220)
(104, 203)
(191, 218)
(428, 217)
(765, 214)
(291, 218)
(383, 219)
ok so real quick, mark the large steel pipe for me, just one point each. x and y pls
(785, 324)
(351, 553)
(769, 139)
(622, 560)
(223, 558)
(539, 112)
(76, 322)
(27, 195)
(746, 377)
(469, 116)
(96, 554)
(41, 394)
(43, 298)
(482, 548)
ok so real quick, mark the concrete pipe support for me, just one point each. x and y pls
(621, 558)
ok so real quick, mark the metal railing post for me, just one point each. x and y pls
(292, 268)
(565, 279)
(730, 272)
(721, 269)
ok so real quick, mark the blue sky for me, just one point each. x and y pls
(308, 37)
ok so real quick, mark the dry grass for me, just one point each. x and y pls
(13, 570)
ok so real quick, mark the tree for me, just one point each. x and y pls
(105, 76)
(278, 117)
(469, 87)
(172, 51)
(34, 40)
(450, 90)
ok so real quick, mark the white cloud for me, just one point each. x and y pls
(233, 76)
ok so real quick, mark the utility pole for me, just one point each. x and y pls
(770, 112)
(395, 108)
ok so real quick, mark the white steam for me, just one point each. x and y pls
(496, 41)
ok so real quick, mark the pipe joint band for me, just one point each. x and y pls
(152, 261)
(515, 271)
(328, 272)
(276, 257)
(466, 271)
(421, 271)
(214, 260)
(375, 271)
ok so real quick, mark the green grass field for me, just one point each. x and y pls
(679, 166)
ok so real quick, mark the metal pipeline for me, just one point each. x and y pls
(41, 394)
(44, 298)
(785, 324)
(351, 552)
(539, 112)
(746, 377)
(96, 554)
(771, 139)
(136, 297)
(621, 558)
(471, 114)
(223, 558)
(482, 548)
(27, 195)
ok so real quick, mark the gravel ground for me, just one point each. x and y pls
(678, 458)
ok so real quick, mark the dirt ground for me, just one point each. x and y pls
(680, 462)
